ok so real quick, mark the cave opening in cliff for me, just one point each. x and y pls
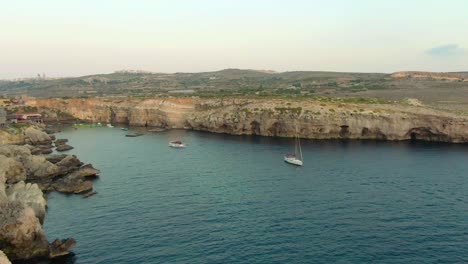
(344, 131)
(255, 128)
(413, 136)
(275, 129)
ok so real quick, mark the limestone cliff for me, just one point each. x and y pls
(449, 76)
(272, 117)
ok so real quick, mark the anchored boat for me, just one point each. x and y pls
(176, 144)
(296, 158)
(134, 134)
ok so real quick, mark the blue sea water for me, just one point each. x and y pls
(232, 199)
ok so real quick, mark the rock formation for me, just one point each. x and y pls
(34, 136)
(60, 145)
(12, 169)
(30, 195)
(450, 76)
(24, 174)
(21, 234)
(63, 147)
(13, 136)
(310, 118)
(61, 247)
(3, 258)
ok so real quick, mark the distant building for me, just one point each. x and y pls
(188, 91)
(3, 115)
(25, 117)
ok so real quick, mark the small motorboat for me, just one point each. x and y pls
(124, 128)
(134, 135)
(176, 144)
(109, 125)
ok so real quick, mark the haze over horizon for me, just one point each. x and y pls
(62, 39)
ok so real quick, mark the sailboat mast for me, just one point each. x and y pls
(300, 150)
(295, 145)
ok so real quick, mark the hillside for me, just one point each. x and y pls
(448, 91)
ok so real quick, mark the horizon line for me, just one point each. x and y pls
(269, 71)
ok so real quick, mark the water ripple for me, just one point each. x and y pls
(227, 199)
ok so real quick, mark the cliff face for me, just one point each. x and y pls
(135, 112)
(308, 118)
(450, 76)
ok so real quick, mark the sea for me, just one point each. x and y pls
(232, 199)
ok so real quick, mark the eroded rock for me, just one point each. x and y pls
(23, 206)
(54, 158)
(14, 151)
(85, 171)
(63, 147)
(60, 247)
(38, 168)
(68, 163)
(3, 258)
(36, 137)
(21, 233)
(69, 184)
(60, 141)
(30, 195)
(12, 169)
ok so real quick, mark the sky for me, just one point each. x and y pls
(81, 37)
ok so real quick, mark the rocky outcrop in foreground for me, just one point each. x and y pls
(3, 258)
(25, 173)
(319, 118)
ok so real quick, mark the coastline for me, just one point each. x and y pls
(309, 119)
(29, 169)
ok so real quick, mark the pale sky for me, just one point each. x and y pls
(79, 37)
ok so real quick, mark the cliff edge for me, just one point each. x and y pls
(310, 118)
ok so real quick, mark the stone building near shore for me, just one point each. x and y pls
(25, 117)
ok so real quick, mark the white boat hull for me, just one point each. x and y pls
(293, 160)
(173, 145)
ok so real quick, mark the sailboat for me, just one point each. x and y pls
(296, 158)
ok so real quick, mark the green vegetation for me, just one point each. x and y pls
(293, 110)
(352, 100)
(222, 83)
(16, 128)
(23, 109)
(339, 87)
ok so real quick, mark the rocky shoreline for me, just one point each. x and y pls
(320, 118)
(28, 170)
